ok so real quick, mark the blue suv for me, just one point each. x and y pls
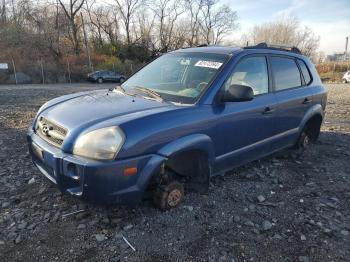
(189, 115)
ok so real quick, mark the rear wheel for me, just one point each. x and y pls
(304, 141)
(100, 80)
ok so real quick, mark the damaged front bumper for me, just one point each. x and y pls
(99, 182)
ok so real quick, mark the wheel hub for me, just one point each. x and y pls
(174, 197)
(306, 141)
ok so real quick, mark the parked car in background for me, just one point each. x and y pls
(346, 77)
(105, 76)
(187, 116)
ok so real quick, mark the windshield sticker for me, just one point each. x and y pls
(209, 64)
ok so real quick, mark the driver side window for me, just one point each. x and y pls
(251, 71)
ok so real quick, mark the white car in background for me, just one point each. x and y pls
(346, 77)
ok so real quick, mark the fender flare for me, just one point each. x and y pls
(313, 111)
(199, 142)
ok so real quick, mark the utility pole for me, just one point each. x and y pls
(14, 70)
(346, 44)
(86, 43)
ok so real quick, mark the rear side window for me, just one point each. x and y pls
(305, 71)
(286, 73)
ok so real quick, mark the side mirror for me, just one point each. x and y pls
(238, 93)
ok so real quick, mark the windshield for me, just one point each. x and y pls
(177, 77)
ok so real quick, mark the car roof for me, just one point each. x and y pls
(228, 50)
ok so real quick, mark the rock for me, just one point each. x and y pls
(105, 220)
(303, 259)
(251, 207)
(5, 205)
(261, 198)
(100, 237)
(302, 237)
(81, 226)
(23, 225)
(344, 232)
(189, 208)
(47, 216)
(266, 225)
(56, 216)
(2, 242)
(31, 226)
(277, 236)
(31, 181)
(236, 219)
(18, 239)
(128, 227)
(81, 215)
(249, 223)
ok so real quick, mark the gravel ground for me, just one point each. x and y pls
(286, 207)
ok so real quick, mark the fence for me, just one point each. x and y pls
(68, 70)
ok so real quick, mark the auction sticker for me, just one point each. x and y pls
(209, 64)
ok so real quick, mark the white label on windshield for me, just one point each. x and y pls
(209, 64)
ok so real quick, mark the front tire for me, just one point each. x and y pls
(345, 81)
(100, 81)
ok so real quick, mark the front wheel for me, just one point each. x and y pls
(344, 81)
(169, 196)
(100, 81)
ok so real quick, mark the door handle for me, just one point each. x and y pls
(268, 110)
(307, 101)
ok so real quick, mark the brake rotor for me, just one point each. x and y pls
(174, 197)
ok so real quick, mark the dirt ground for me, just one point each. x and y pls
(285, 207)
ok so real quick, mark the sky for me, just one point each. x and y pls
(329, 19)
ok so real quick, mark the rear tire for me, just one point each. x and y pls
(100, 81)
(169, 196)
(304, 141)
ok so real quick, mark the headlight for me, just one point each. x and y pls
(101, 144)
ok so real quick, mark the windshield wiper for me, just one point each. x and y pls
(150, 92)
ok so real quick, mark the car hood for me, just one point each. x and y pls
(84, 110)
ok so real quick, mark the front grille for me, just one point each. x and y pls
(50, 132)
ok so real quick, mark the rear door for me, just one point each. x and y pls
(294, 97)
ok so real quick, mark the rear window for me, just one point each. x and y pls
(305, 71)
(286, 73)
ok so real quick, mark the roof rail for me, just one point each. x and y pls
(275, 47)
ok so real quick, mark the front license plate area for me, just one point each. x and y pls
(37, 151)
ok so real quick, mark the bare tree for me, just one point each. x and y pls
(3, 12)
(167, 13)
(71, 10)
(127, 10)
(286, 31)
(194, 8)
(217, 21)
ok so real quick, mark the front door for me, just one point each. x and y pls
(247, 127)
